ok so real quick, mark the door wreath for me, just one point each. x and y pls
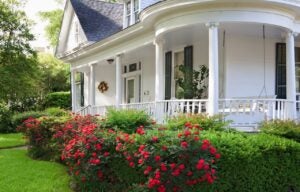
(103, 86)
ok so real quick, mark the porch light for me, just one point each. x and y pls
(110, 61)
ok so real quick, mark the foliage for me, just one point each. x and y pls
(5, 116)
(58, 99)
(27, 103)
(17, 58)
(205, 122)
(126, 120)
(288, 129)
(256, 162)
(19, 118)
(20, 173)
(102, 159)
(56, 112)
(52, 30)
(54, 74)
(194, 83)
(11, 140)
(39, 133)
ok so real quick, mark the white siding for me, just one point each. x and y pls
(245, 66)
(72, 42)
(105, 73)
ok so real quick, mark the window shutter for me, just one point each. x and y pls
(281, 70)
(188, 76)
(81, 89)
(168, 75)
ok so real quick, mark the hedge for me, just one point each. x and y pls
(258, 162)
(288, 129)
(58, 99)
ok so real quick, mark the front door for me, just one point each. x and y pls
(130, 90)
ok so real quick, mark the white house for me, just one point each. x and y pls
(135, 49)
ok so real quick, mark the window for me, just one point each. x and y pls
(131, 12)
(136, 10)
(281, 70)
(297, 52)
(128, 13)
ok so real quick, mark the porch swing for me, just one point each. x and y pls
(263, 94)
(254, 104)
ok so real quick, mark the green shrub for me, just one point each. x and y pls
(126, 120)
(58, 99)
(287, 129)
(204, 121)
(19, 118)
(55, 111)
(5, 119)
(257, 162)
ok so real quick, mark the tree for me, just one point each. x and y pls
(54, 19)
(18, 66)
(54, 74)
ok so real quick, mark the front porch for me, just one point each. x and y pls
(252, 75)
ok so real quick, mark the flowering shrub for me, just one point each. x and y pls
(39, 133)
(170, 163)
(150, 160)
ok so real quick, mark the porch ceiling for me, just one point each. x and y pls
(197, 33)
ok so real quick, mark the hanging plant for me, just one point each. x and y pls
(102, 87)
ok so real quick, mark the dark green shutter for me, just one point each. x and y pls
(188, 76)
(81, 89)
(281, 71)
(168, 75)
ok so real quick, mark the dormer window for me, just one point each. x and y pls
(128, 13)
(136, 10)
(131, 11)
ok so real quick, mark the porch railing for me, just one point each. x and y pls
(245, 112)
(242, 112)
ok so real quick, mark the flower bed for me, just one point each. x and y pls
(100, 158)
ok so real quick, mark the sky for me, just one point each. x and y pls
(32, 8)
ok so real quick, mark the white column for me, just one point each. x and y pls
(159, 71)
(291, 73)
(118, 80)
(92, 92)
(73, 90)
(213, 88)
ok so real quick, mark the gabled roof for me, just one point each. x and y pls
(98, 19)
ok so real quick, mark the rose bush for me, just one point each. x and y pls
(101, 159)
(39, 133)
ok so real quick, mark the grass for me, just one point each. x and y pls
(11, 140)
(21, 173)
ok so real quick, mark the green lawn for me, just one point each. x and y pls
(21, 173)
(11, 140)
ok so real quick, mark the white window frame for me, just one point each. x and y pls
(131, 17)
